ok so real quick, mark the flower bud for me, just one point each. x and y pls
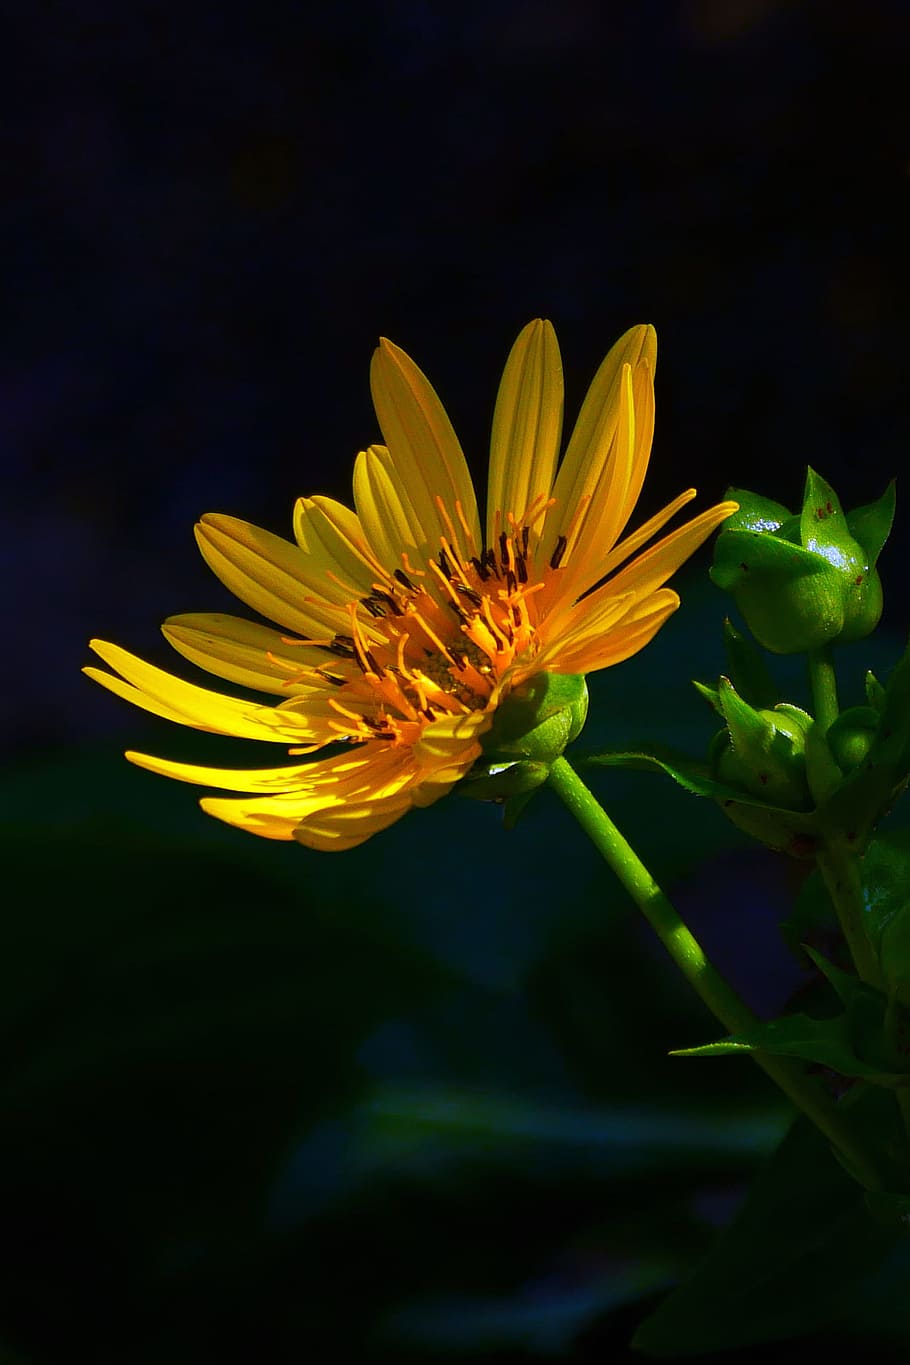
(852, 736)
(763, 751)
(804, 580)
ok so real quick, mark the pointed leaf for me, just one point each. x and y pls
(747, 668)
(796, 1257)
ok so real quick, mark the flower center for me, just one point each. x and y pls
(441, 640)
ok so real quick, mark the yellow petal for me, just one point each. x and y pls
(265, 780)
(424, 448)
(386, 512)
(164, 695)
(272, 576)
(527, 425)
(565, 625)
(588, 651)
(655, 565)
(333, 535)
(620, 553)
(246, 653)
(592, 443)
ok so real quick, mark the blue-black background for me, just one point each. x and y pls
(260, 1101)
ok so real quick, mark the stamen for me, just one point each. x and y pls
(403, 579)
(556, 556)
(453, 538)
(468, 533)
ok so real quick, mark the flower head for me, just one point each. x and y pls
(405, 625)
(804, 579)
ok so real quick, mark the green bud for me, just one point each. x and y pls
(852, 736)
(529, 732)
(763, 751)
(807, 579)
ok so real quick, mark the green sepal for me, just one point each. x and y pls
(822, 525)
(538, 719)
(747, 668)
(497, 781)
(742, 556)
(871, 525)
(530, 730)
(755, 512)
(710, 695)
(875, 693)
(854, 1043)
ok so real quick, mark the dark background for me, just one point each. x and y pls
(259, 1100)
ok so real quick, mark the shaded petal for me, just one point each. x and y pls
(527, 425)
(339, 828)
(164, 695)
(586, 484)
(246, 653)
(424, 448)
(369, 782)
(272, 576)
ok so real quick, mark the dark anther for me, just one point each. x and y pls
(525, 535)
(482, 572)
(469, 593)
(389, 601)
(371, 660)
(511, 581)
(404, 580)
(373, 605)
(503, 549)
(330, 678)
(556, 556)
(445, 564)
(342, 645)
(522, 569)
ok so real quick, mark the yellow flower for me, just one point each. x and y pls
(405, 624)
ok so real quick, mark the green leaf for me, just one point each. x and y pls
(889, 1208)
(797, 1257)
(871, 525)
(854, 1043)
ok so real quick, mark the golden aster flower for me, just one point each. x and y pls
(404, 625)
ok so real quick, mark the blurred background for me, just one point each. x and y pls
(413, 1102)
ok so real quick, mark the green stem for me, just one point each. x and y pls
(823, 681)
(712, 988)
(840, 870)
